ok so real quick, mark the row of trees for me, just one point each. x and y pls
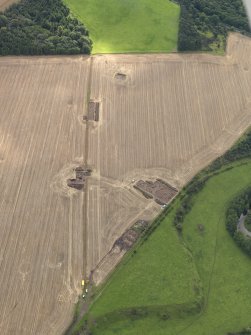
(203, 21)
(186, 203)
(240, 151)
(42, 27)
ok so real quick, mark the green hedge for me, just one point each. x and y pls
(239, 151)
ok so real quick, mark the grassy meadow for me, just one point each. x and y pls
(118, 26)
(153, 278)
(197, 284)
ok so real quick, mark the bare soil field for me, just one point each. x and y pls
(6, 3)
(42, 140)
(159, 116)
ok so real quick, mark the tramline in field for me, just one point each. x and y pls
(168, 118)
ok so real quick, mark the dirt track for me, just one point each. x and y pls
(170, 116)
(41, 140)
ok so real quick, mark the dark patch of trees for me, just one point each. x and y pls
(192, 188)
(42, 27)
(203, 21)
(239, 151)
(237, 206)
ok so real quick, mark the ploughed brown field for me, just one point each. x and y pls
(159, 117)
(6, 3)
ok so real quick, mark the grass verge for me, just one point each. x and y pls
(124, 316)
(197, 284)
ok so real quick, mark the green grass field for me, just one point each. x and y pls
(153, 281)
(168, 272)
(118, 26)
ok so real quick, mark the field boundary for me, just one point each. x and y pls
(198, 306)
(203, 176)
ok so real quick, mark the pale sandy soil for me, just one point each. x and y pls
(171, 116)
(6, 3)
(41, 219)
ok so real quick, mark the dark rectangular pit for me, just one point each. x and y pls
(159, 190)
(93, 110)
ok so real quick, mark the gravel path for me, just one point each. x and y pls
(247, 4)
(241, 227)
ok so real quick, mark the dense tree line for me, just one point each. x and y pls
(239, 151)
(203, 21)
(42, 27)
(237, 206)
(186, 203)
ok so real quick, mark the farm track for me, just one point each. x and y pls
(85, 202)
(171, 116)
(42, 139)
